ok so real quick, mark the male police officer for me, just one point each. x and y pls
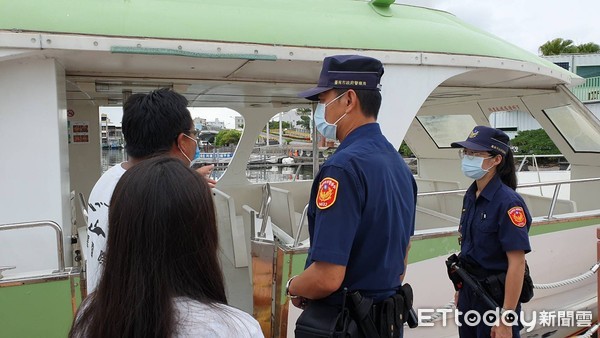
(362, 204)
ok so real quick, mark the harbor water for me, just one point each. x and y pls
(255, 172)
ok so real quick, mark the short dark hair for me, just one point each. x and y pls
(152, 122)
(370, 100)
(163, 243)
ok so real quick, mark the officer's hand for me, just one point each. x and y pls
(300, 302)
(501, 331)
(205, 172)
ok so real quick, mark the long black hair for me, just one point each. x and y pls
(506, 169)
(162, 243)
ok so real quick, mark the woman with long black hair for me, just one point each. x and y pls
(162, 276)
(494, 238)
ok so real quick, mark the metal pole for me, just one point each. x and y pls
(537, 169)
(522, 163)
(315, 136)
(297, 173)
(554, 198)
(268, 132)
(280, 130)
(300, 226)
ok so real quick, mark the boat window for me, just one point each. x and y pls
(511, 122)
(576, 128)
(283, 151)
(409, 157)
(111, 136)
(445, 129)
(220, 130)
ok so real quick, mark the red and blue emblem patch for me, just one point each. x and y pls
(517, 216)
(327, 193)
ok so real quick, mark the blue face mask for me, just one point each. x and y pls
(326, 129)
(197, 154)
(472, 167)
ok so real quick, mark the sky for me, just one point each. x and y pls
(210, 114)
(526, 23)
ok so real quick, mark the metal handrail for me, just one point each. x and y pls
(525, 185)
(297, 173)
(549, 155)
(59, 236)
(300, 226)
(534, 158)
(558, 184)
(83, 205)
(264, 209)
(433, 234)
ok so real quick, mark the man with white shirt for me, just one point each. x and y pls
(156, 123)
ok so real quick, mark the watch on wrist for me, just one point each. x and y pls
(287, 288)
(510, 314)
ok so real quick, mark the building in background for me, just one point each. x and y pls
(215, 125)
(200, 123)
(239, 122)
(588, 67)
(112, 134)
(585, 65)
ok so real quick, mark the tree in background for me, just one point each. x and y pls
(534, 142)
(558, 46)
(304, 114)
(588, 48)
(405, 150)
(227, 137)
(275, 125)
(565, 46)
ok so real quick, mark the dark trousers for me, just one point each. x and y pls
(467, 301)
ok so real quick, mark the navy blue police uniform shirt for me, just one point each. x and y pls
(496, 222)
(361, 213)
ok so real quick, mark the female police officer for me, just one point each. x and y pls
(493, 229)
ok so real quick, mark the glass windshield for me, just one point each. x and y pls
(445, 129)
(575, 126)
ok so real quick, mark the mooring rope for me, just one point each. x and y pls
(438, 314)
(589, 333)
(450, 305)
(573, 280)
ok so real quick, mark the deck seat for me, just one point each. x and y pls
(231, 229)
(283, 214)
(540, 205)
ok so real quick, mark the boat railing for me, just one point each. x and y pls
(563, 165)
(300, 226)
(264, 209)
(426, 234)
(589, 91)
(523, 165)
(57, 229)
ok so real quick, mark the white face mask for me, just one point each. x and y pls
(329, 130)
(196, 154)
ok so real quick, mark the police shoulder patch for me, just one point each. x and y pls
(327, 193)
(517, 216)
